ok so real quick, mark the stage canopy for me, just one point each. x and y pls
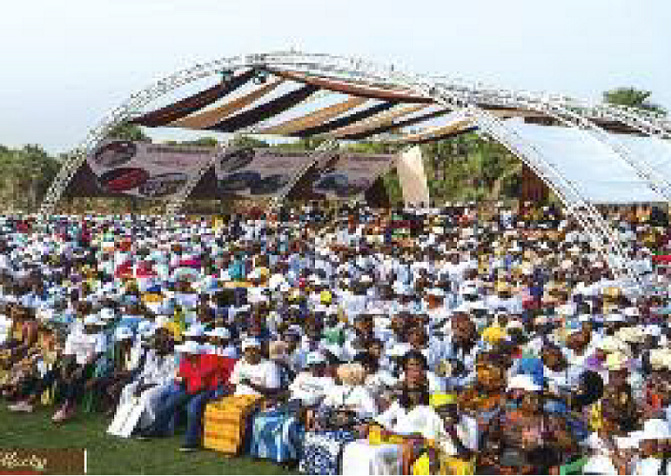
(283, 103)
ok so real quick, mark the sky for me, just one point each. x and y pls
(65, 64)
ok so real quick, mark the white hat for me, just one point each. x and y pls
(655, 429)
(399, 350)
(91, 320)
(250, 342)
(632, 335)
(615, 317)
(565, 310)
(523, 382)
(106, 313)
(610, 344)
(653, 330)
(189, 347)
(315, 358)
(196, 330)
(220, 332)
(438, 292)
(632, 312)
(123, 333)
(514, 324)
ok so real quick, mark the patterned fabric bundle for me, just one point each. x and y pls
(276, 436)
(322, 451)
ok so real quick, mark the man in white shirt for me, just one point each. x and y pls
(313, 386)
(254, 375)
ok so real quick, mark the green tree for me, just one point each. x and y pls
(248, 141)
(632, 97)
(130, 132)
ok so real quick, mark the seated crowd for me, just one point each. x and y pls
(414, 341)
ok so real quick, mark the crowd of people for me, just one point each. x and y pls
(408, 341)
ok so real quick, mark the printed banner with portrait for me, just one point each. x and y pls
(259, 173)
(341, 176)
(144, 170)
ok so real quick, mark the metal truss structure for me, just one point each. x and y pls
(174, 205)
(450, 93)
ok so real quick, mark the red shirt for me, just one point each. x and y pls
(199, 375)
(223, 367)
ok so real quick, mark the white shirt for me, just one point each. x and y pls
(84, 346)
(467, 431)
(347, 395)
(265, 374)
(310, 389)
(159, 370)
(421, 419)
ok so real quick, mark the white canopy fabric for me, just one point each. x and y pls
(595, 169)
(655, 152)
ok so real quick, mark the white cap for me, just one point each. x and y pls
(146, 328)
(107, 313)
(220, 332)
(250, 342)
(196, 330)
(523, 382)
(91, 320)
(189, 347)
(315, 358)
(123, 333)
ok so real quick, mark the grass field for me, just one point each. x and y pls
(110, 455)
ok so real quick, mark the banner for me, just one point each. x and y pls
(143, 169)
(341, 176)
(410, 169)
(257, 173)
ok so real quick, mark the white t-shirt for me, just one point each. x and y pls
(421, 419)
(310, 389)
(358, 397)
(265, 373)
(84, 346)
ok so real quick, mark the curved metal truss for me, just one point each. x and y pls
(452, 94)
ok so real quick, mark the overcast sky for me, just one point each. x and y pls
(65, 63)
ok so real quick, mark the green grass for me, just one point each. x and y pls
(111, 455)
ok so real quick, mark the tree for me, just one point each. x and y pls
(203, 142)
(248, 141)
(632, 97)
(130, 132)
